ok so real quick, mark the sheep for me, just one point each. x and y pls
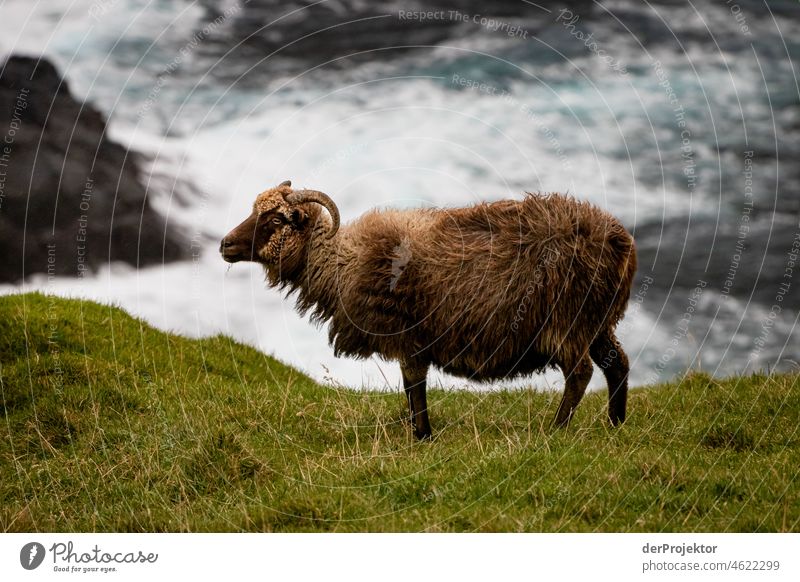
(490, 291)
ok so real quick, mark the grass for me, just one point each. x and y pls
(111, 425)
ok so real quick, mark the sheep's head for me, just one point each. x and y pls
(276, 232)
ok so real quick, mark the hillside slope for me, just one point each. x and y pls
(111, 425)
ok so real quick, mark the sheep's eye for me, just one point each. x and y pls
(277, 221)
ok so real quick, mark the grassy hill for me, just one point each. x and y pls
(111, 425)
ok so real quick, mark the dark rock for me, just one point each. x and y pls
(70, 198)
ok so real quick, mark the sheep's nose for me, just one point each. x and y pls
(225, 244)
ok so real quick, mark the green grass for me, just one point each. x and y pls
(111, 425)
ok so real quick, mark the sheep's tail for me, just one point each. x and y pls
(623, 249)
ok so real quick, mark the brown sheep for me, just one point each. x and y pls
(489, 291)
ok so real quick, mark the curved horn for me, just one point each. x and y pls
(301, 196)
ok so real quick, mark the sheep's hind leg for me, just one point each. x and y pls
(414, 381)
(609, 357)
(577, 375)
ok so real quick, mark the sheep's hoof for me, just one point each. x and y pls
(423, 435)
(616, 420)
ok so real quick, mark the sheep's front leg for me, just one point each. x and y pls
(414, 382)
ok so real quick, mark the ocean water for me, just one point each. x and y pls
(480, 116)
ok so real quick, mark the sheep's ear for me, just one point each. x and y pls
(298, 217)
(285, 183)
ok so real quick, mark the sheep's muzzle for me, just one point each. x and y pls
(239, 244)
